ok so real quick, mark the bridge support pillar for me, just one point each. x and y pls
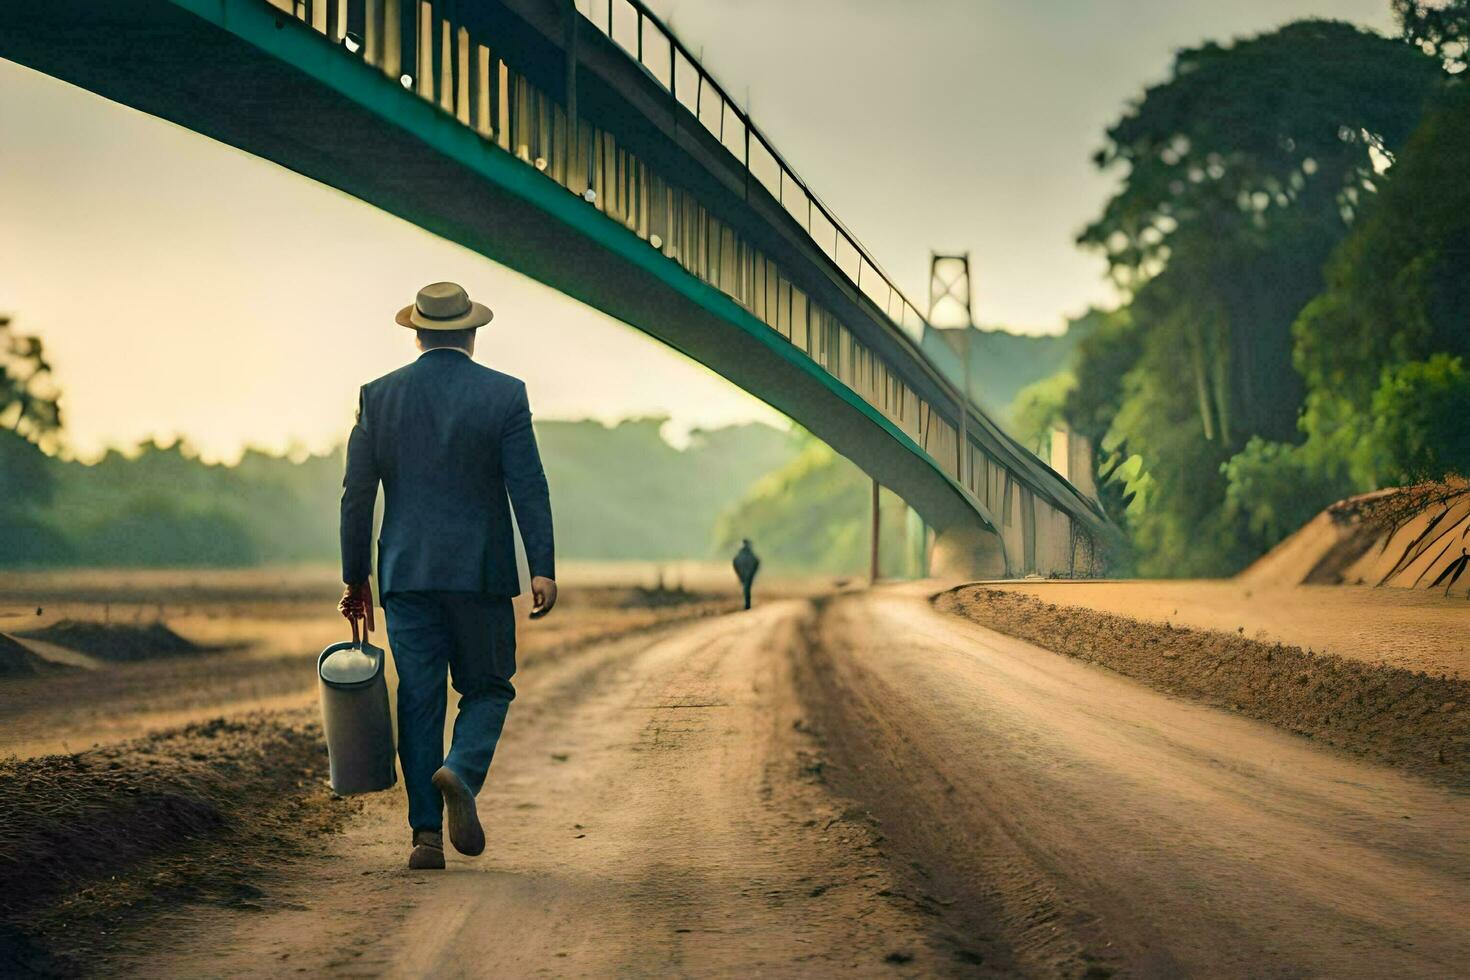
(967, 552)
(877, 535)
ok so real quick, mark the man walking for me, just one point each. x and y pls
(746, 565)
(451, 443)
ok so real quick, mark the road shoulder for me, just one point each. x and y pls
(1408, 719)
(1096, 826)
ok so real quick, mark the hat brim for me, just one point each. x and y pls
(477, 316)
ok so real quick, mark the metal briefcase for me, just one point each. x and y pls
(355, 717)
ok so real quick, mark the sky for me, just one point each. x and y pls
(183, 287)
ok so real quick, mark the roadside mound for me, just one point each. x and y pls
(1405, 718)
(1413, 538)
(17, 661)
(92, 842)
(659, 597)
(121, 642)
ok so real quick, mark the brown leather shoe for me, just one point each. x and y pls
(428, 851)
(465, 832)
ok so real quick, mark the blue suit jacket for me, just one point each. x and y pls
(451, 442)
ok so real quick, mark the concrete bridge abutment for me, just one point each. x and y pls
(967, 551)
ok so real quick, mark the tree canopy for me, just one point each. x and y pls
(30, 402)
(1240, 175)
(1438, 27)
(30, 417)
(1384, 350)
(1287, 124)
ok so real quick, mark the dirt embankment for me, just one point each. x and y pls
(18, 661)
(1405, 537)
(116, 641)
(1405, 718)
(91, 842)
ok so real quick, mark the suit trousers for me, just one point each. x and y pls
(472, 636)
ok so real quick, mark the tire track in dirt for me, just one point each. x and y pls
(1100, 827)
(657, 807)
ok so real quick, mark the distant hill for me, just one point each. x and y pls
(1002, 362)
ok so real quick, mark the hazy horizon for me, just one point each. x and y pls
(679, 437)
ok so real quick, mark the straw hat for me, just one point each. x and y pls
(444, 306)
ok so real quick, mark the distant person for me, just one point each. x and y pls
(746, 565)
(451, 442)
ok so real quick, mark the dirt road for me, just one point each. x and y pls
(1105, 825)
(866, 786)
(656, 809)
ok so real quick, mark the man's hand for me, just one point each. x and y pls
(357, 604)
(543, 590)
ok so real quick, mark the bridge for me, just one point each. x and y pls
(581, 144)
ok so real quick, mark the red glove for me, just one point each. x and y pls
(357, 604)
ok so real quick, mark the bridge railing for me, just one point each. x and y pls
(470, 75)
(422, 45)
(646, 39)
(398, 34)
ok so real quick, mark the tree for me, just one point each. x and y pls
(1038, 408)
(1399, 288)
(1240, 174)
(1382, 350)
(159, 531)
(1438, 27)
(1273, 488)
(1169, 469)
(30, 403)
(1421, 422)
(1397, 293)
(1104, 358)
(30, 418)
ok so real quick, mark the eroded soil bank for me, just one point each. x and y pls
(1409, 719)
(92, 843)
